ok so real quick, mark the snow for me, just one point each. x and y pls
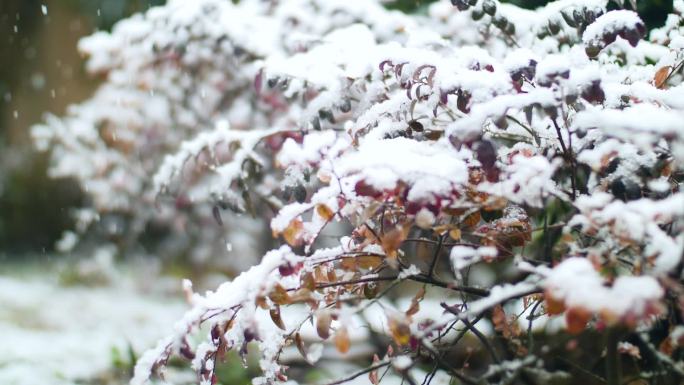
(575, 282)
(609, 23)
(383, 163)
(65, 335)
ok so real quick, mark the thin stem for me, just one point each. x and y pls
(416, 278)
(435, 257)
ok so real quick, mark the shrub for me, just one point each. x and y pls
(389, 150)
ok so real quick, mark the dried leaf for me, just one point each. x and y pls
(275, 316)
(291, 233)
(661, 76)
(323, 320)
(369, 261)
(279, 295)
(553, 306)
(325, 212)
(400, 330)
(300, 345)
(349, 264)
(576, 320)
(393, 239)
(508, 328)
(261, 302)
(308, 281)
(370, 290)
(301, 295)
(342, 342)
(415, 302)
(455, 234)
(472, 220)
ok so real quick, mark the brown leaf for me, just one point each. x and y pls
(393, 239)
(323, 320)
(275, 316)
(472, 220)
(507, 327)
(415, 302)
(368, 262)
(279, 295)
(301, 295)
(370, 290)
(342, 342)
(349, 264)
(300, 346)
(308, 282)
(261, 302)
(661, 76)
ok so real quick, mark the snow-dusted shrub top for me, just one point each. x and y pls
(382, 147)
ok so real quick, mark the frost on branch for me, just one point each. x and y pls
(424, 175)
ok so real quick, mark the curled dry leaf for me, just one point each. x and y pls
(415, 302)
(274, 312)
(300, 346)
(323, 321)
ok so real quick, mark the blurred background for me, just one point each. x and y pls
(41, 71)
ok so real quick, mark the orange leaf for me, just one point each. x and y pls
(368, 261)
(455, 234)
(661, 76)
(349, 264)
(291, 233)
(553, 306)
(325, 212)
(576, 320)
(472, 220)
(342, 340)
(400, 331)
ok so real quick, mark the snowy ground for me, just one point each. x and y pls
(62, 335)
